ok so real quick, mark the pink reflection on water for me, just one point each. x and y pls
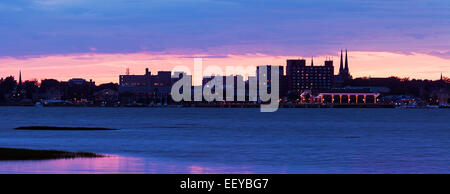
(111, 165)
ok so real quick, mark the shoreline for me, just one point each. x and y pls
(244, 105)
(237, 105)
(19, 154)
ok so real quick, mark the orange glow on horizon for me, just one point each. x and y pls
(104, 68)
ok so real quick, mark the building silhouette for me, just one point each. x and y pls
(230, 90)
(146, 88)
(344, 72)
(19, 92)
(282, 79)
(301, 77)
(80, 81)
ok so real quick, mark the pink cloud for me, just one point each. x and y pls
(104, 68)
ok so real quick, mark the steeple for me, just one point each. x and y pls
(312, 61)
(341, 67)
(346, 63)
(19, 88)
(20, 78)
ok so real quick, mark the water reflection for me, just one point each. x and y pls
(111, 165)
(234, 140)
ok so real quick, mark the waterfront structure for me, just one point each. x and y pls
(251, 92)
(443, 93)
(146, 87)
(282, 87)
(215, 83)
(135, 80)
(146, 83)
(77, 90)
(301, 77)
(162, 84)
(232, 92)
(292, 72)
(347, 96)
(106, 97)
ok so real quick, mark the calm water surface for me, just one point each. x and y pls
(214, 140)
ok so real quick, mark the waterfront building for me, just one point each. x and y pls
(251, 90)
(128, 81)
(282, 87)
(147, 87)
(237, 88)
(301, 77)
(233, 88)
(77, 90)
(106, 97)
(442, 94)
(346, 96)
(162, 84)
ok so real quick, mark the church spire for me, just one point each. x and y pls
(341, 67)
(20, 77)
(346, 63)
(19, 88)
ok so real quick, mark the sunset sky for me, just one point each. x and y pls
(99, 39)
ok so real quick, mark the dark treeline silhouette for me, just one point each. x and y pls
(33, 91)
(424, 89)
(7, 85)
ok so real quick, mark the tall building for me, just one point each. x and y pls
(282, 79)
(292, 73)
(163, 78)
(238, 88)
(147, 85)
(136, 80)
(301, 77)
(77, 90)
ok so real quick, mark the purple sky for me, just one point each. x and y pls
(221, 27)
(99, 39)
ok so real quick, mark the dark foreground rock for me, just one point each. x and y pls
(28, 154)
(64, 128)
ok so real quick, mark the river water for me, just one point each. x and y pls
(224, 140)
